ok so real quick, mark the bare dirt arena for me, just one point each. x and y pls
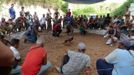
(96, 48)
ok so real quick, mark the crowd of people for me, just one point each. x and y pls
(119, 62)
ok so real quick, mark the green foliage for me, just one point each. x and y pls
(64, 6)
(1, 1)
(121, 10)
(45, 3)
(85, 11)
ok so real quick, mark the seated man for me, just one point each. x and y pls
(6, 59)
(119, 62)
(112, 35)
(31, 35)
(57, 30)
(14, 46)
(35, 62)
(76, 62)
(82, 30)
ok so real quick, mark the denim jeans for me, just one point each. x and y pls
(16, 70)
(103, 67)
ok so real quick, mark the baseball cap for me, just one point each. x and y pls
(81, 46)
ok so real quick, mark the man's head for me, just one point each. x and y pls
(12, 5)
(82, 47)
(43, 15)
(15, 42)
(3, 19)
(108, 15)
(22, 8)
(125, 44)
(68, 10)
(35, 13)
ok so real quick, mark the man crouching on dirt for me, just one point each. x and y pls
(57, 30)
(76, 62)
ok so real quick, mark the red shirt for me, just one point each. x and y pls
(56, 27)
(33, 60)
(68, 14)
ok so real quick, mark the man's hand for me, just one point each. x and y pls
(87, 71)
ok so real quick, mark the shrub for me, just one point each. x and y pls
(64, 7)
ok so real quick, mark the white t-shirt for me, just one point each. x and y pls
(43, 20)
(77, 62)
(15, 52)
(123, 62)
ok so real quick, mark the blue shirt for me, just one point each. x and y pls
(12, 13)
(123, 62)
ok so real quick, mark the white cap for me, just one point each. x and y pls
(81, 46)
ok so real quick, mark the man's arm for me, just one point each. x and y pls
(112, 57)
(45, 60)
(6, 56)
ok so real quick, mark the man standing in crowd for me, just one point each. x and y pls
(68, 14)
(29, 20)
(35, 62)
(76, 62)
(119, 62)
(48, 19)
(107, 20)
(22, 12)
(12, 12)
(6, 59)
(43, 22)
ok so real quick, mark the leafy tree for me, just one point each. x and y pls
(44, 3)
(85, 11)
(121, 10)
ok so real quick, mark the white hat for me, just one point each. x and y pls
(81, 46)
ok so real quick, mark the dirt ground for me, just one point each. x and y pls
(96, 48)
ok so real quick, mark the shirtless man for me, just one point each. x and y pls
(6, 59)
